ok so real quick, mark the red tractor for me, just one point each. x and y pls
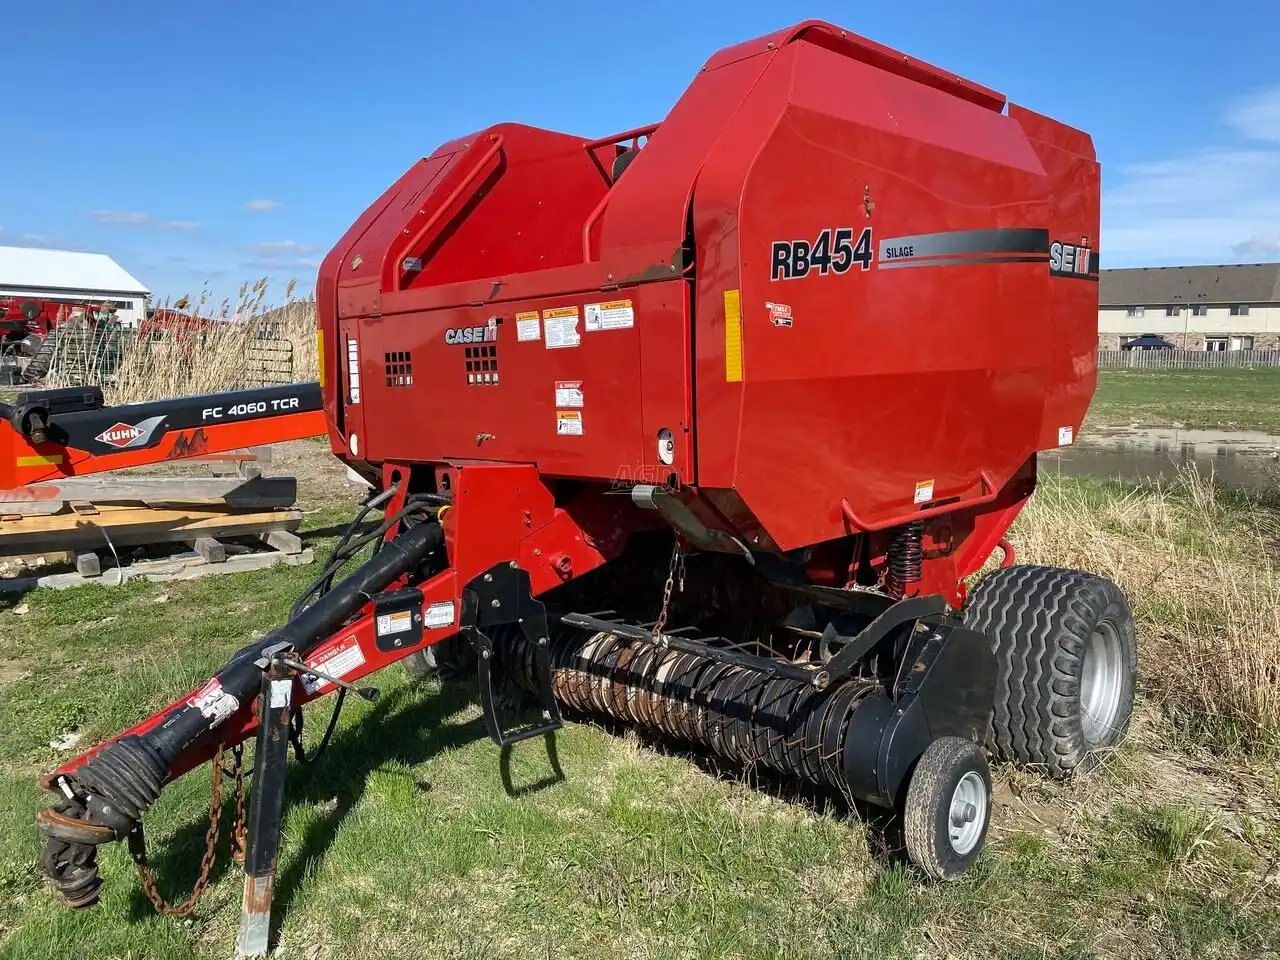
(703, 427)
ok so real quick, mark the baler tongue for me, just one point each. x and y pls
(107, 791)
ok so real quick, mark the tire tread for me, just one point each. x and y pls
(1039, 619)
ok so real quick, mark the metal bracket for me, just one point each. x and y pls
(275, 704)
(903, 612)
(397, 619)
(499, 596)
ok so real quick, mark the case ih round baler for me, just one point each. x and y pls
(703, 427)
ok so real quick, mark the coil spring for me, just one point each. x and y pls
(740, 714)
(905, 558)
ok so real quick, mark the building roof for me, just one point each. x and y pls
(54, 270)
(1226, 283)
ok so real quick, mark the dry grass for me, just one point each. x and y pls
(252, 344)
(1201, 567)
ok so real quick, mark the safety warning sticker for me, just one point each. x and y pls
(569, 423)
(568, 393)
(337, 662)
(560, 327)
(392, 623)
(528, 326)
(614, 315)
(924, 491)
(779, 313)
(214, 703)
(439, 614)
(1065, 436)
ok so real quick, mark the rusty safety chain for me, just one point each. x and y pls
(675, 572)
(138, 846)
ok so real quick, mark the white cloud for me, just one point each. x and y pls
(279, 264)
(1257, 116)
(38, 241)
(281, 246)
(130, 218)
(1264, 245)
(1212, 205)
(261, 206)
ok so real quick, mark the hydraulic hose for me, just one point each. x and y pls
(107, 795)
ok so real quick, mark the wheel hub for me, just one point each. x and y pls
(968, 813)
(1101, 684)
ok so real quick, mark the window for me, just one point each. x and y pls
(1172, 311)
(1215, 344)
(1200, 310)
(1135, 311)
(1242, 343)
(1239, 309)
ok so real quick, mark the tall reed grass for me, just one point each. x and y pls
(250, 343)
(1201, 567)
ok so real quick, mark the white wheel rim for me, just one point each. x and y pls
(967, 814)
(1101, 684)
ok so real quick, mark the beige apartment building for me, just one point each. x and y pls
(1227, 307)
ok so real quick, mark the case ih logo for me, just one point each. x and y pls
(486, 334)
(121, 435)
(1071, 260)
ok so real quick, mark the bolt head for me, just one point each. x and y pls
(495, 603)
(484, 654)
(513, 565)
(488, 578)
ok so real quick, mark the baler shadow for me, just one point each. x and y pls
(406, 728)
(883, 827)
(401, 727)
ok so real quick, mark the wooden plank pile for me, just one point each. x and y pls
(229, 524)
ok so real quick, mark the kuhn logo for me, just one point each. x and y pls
(121, 435)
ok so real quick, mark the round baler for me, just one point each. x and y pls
(704, 427)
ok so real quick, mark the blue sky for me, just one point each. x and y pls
(209, 144)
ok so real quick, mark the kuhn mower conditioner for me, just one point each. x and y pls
(702, 427)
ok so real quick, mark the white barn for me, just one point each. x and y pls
(72, 277)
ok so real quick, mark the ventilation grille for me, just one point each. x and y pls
(399, 365)
(482, 365)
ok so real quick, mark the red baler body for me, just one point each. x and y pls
(832, 402)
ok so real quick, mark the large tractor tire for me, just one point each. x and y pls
(1066, 665)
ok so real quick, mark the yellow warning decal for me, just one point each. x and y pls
(40, 461)
(732, 336)
(320, 357)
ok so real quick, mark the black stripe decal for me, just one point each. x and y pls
(999, 240)
(959, 262)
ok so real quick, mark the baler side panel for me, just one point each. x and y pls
(591, 410)
(330, 360)
(884, 378)
(518, 211)
(503, 398)
(1071, 344)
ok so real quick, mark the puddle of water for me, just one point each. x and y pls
(1243, 459)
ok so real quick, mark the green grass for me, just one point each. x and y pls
(404, 840)
(1226, 399)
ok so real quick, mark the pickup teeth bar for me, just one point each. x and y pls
(742, 714)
